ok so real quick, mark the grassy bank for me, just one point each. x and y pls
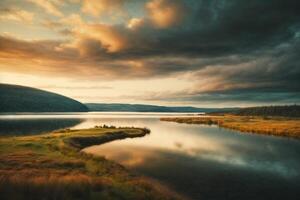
(279, 126)
(51, 166)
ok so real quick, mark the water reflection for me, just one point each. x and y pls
(209, 162)
(34, 126)
(203, 162)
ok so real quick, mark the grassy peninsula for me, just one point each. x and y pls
(52, 166)
(279, 126)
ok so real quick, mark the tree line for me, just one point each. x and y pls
(285, 111)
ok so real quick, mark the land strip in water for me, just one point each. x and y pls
(278, 126)
(52, 166)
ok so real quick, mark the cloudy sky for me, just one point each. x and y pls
(206, 53)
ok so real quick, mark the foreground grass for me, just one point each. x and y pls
(279, 126)
(51, 166)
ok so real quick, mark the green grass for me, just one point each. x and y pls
(278, 126)
(52, 166)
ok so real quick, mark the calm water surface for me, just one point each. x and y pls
(202, 162)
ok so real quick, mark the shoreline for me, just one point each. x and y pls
(53, 165)
(276, 126)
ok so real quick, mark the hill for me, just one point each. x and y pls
(284, 111)
(116, 107)
(15, 98)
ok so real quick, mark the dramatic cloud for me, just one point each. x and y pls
(101, 7)
(105, 36)
(135, 23)
(50, 6)
(16, 15)
(238, 50)
(166, 13)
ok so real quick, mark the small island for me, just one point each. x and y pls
(52, 166)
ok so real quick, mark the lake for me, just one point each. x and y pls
(199, 161)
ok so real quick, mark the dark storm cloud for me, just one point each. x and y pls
(242, 49)
(218, 28)
(278, 68)
(211, 28)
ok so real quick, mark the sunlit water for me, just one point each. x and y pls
(202, 162)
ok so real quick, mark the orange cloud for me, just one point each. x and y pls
(50, 6)
(73, 20)
(99, 7)
(135, 23)
(165, 13)
(16, 15)
(55, 59)
(109, 37)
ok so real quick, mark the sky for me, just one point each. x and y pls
(205, 53)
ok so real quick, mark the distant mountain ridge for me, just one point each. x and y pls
(16, 98)
(117, 107)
